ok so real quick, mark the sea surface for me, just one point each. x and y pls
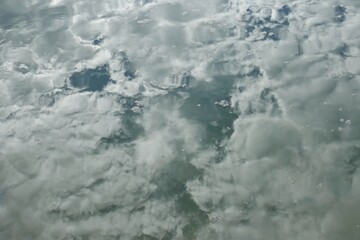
(179, 120)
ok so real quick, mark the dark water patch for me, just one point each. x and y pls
(98, 41)
(197, 218)
(91, 79)
(115, 139)
(255, 73)
(202, 106)
(84, 215)
(24, 68)
(353, 162)
(129, 102)
(128, 68)
(270, 102)
(276, 209)
(179, 83)
(173, 97)
(171, 181)
(130, 131)
(270, 28)
(270, 32)
(266, 102)
(208, 106)
(273, 33)
(300, 48)
(343, 51)
(340, 180)
(182, 80)
(171, 184)
(340, 14)
(131, 128)
(285, 10)
(49, 98)
(167, 236)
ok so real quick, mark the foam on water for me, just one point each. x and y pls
(171, 119)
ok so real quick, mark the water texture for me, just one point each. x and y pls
(174, 119)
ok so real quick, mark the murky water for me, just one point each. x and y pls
(172, 119)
